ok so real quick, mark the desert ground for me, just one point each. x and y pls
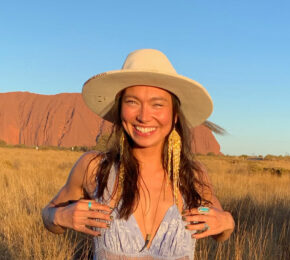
(256, 192)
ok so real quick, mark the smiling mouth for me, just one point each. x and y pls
(145, 130)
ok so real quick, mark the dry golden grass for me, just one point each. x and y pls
(260, 204)
(258, 200)
(28, 180)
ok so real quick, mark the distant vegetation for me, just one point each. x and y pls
(100, 146)
(258, 199)
(103, 140)
(2, 143)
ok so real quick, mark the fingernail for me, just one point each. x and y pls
(99, 235)
(183, 212)
(108, 225)
(186, 227)
(183, 218)
(111, 217)
(111, 208)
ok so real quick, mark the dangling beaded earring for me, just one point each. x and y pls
(173, 157)
(122, 168)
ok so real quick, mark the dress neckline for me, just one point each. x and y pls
(158, 229)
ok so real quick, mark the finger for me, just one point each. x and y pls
(95, 206)
(85, 214)
(89, 223)
(193, 211)
(94, 223)
(199, 226)
(102, 207)
(99, 215)
(196, 218)
(202, 234)
(199, 210)
(90, 231)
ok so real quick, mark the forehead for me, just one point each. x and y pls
(147, 92)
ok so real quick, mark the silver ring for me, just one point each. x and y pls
(206, 227)
(90, 205)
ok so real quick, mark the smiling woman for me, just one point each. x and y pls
(146, 114)
(146, 197)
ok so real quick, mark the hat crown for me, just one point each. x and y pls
(148, 60)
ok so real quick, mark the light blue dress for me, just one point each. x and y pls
(124, 240)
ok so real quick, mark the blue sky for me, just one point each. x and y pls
(239, 50)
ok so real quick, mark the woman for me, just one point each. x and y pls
(146, 197)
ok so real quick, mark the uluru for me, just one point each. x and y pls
(64, 120)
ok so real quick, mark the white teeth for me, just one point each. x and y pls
(145, 129)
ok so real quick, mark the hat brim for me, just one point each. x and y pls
(99, 92)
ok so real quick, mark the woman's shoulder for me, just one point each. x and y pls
(83, 171)
(89, 162)
(90, 159)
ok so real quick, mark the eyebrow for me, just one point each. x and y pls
(151, 99)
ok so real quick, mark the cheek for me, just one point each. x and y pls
(126, 113)
(165, 118)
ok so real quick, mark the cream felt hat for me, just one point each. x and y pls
(147, 67)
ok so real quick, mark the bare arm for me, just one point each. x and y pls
(221, 223)
(68, 210)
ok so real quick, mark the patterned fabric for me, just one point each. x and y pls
(124, 240)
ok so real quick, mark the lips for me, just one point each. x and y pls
(144, 130)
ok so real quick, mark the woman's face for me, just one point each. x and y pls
(146, 114)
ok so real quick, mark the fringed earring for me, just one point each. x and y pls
(169, 156)
(122, 168)
(174, 150)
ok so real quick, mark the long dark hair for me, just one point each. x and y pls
(190, 175)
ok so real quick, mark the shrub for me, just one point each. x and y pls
(2, 142)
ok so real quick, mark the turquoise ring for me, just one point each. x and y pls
(90, 205)
(206, 227)
(203, 210)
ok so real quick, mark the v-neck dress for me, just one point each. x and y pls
(123, 240)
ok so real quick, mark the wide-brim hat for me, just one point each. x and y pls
(147, 67)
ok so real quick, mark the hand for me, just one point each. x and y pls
(215, 222)
(79, 217)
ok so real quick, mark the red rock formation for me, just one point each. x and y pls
(203, 141)
(64, 120)
(57, 120)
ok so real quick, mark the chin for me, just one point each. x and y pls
(145, 144)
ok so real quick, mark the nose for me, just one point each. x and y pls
(144, 115)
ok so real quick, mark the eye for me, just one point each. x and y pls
(157, 105)
(130, 101)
